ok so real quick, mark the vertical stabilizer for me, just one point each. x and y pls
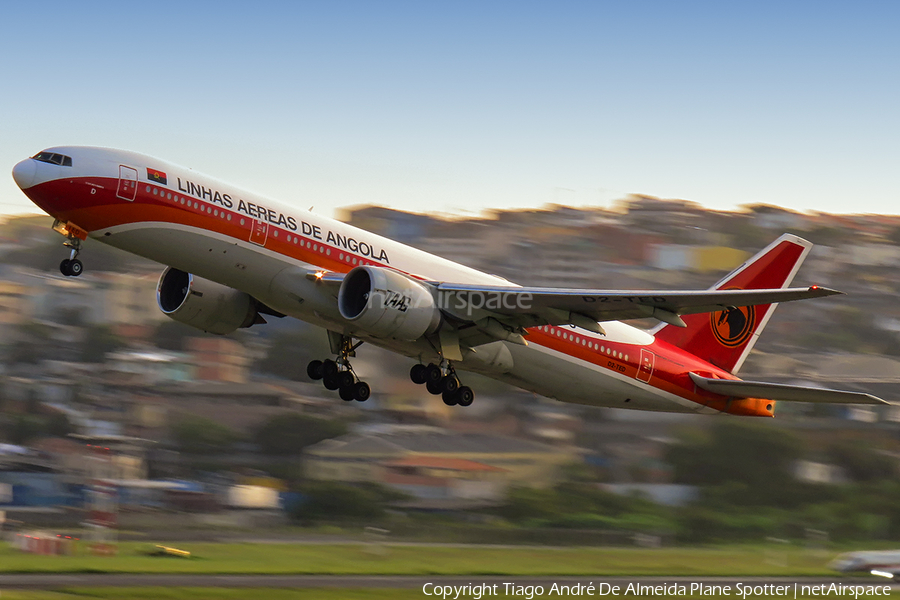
(725, 338)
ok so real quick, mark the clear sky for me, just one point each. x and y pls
(459, 106)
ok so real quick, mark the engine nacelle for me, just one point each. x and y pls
(204, 304)
(387, 304)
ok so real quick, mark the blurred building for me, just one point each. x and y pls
(96, 298)
(130, 298)
(702, 259)
(15, 303)
(365, 457)
(148, 367)
(778, 219)
(655, 214)
(67, 300)
(872, 255)
(218, 359)
(436, 482)
(398, 225)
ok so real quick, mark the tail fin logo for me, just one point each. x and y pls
(734, 325)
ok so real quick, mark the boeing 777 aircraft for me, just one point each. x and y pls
(233, 258)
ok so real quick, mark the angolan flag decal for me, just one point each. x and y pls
(156, 176)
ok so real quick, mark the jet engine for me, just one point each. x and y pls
(387, 304)
(204, 304)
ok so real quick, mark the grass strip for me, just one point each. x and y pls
(369, 559)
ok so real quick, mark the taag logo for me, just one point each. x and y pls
(733, 326)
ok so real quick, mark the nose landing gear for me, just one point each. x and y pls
(71, 267)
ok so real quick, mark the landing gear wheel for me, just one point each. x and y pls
(346, 379)
(449, 384)
(450, 398)
(361, 391)
(465, 396)
(314, 370)
(417, 374)
(433, 374)
(331, 382)
(434, 387)
(75, 268)
(70, 267)
(337, 374)
(329, 368)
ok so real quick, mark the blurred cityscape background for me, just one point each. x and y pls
(227, 434)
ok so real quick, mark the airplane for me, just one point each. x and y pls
(883, 563)
(234, 258)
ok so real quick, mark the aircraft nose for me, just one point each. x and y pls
(24, 173)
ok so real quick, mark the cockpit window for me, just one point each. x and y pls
(53, 158)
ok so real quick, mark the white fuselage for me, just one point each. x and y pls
(265, 248)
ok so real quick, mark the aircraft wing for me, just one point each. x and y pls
(511, 309)
(556, 306)
(779, 391)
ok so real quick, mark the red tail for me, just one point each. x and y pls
(725, 338)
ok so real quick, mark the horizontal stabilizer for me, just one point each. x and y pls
(780, 391)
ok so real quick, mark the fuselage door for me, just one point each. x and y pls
(648, 363)
(259, 232)
(128, 183)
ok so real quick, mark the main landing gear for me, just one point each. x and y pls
(72, 267)
(442, 381)
(339, 375)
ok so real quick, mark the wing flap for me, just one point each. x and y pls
(780, 391)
